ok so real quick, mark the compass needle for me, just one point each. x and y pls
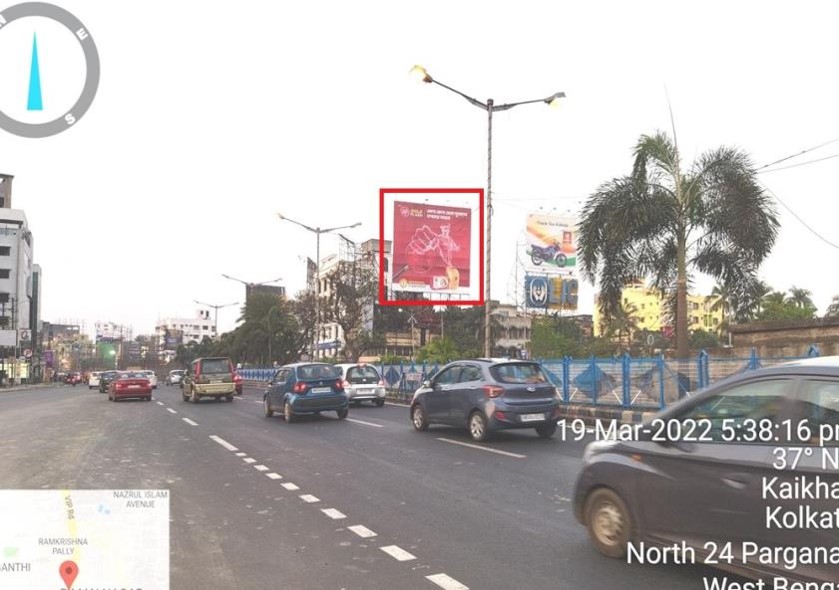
(35, 102)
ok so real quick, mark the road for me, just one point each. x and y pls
(363, 503)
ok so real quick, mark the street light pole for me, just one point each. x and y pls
(216, 308)
(489, 106)
(317, 231)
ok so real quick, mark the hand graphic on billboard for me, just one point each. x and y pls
(425, 240)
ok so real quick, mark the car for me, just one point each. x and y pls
(105, 378)
(174, 376)
(130, 384)
(485, 395)
(306, 388)
(73, 379)
(362, 382)
(152, 377)
(731, 467)
(209, 377)
(93, 379)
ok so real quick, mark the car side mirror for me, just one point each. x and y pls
(427, 383)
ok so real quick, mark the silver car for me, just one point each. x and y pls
(362, 382)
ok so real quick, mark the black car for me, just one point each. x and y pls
(727, 475)
(485, 395)
(105, 380)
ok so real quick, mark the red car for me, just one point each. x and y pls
(73, 379)
(130, 385)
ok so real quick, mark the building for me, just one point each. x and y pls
(172, 332)
(110, 332)
(647, 307)
(514, 329)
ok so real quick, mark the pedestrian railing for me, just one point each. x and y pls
(626, 382)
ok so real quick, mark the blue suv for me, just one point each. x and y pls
(486, 395)
(306, 388)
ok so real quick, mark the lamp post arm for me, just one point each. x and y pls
(473, 101)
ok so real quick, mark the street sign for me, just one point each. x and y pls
(27, 353)
(24, 334)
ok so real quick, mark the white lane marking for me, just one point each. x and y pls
(446, 582)
(260, 467)
(309, 498)
(397, 553)
(249, 460)
(160, 403)
(290, 486)
(274, 475)
(333, 513)
(190, 422)
(480, 448)
(171, 410)
(241, 454)
(365, 423)
(362, 531)
(223, 443)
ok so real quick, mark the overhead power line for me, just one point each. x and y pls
(801, 153)
(800, 164)
(798, 217)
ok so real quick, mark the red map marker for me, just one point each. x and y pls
(68, 570)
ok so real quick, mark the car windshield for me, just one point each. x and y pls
(361, 374)
(317, 372)
(176, 372)
(518, 373)
(215, 366)
(109, 374)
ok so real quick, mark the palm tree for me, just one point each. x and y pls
(833, 308)
(661, 223)
(624, 321)
(801, 298)
(721, 295)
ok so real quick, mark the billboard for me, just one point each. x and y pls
(431, 248)
(550, 292)
(551, 243)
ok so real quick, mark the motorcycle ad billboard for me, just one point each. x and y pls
(431, 248)
(551, 243)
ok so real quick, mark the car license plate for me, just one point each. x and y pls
(133, 387)
(321, 390)
(532, 417)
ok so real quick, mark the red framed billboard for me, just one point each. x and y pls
(433, 250)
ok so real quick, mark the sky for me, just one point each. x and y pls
(212, 117)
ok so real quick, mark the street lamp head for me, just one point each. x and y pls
(553, 100)
(420, 73)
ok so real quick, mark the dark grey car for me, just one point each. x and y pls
(486, 395)
(726, 472)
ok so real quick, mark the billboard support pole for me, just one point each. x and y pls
(488, 247)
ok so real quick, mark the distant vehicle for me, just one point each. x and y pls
(306, 388)
(130, 385)
(362, 382)
(697, 471)
(93, 379)
(152, 377)
(209, 377)
(486, 395)
(105, 378)
(237, 379)
(175, 376)
(73, 379)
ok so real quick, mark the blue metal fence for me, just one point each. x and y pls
(636, 383)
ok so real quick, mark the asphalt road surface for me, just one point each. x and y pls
(363, 503)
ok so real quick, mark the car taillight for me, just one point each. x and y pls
(120, 386)
(236, 378)
(340, 385)
(500, 415)
(299, 387)
(491, 391)
(381, 382)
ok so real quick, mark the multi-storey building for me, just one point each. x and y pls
(193, 329)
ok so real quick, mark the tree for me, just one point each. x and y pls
(777, 306)
(439, 350)
(662, 223)
(353, 289)
(801, 298)
(833, 308)
(623, 322)
(700, 340)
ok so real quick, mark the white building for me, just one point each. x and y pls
(109, 331)
(16, 288)
(186, 329)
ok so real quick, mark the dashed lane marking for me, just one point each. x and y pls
(362, 531)
(160, 403)
(333, 513)
(190, 422)
(171, 411)
(249, 460)
(290, 486)
(446, 582)
(398, 553)
(241, 454)
(260, 467)
(309, 498)
(365, 423)
(274, 475)
(223, 443)
(482, 448)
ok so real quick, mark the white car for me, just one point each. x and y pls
(362, 382)
(175, 377)
(93, 380)
(152, 377)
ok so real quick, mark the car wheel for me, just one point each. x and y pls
(380, 403)
(266, 407)
(418, 418)
(228, 398)
(478, 427)
(148, 398)
(193, 395)
(289, 416)
(343, 413)
(356, 403)
(608, 522)
(546, 430)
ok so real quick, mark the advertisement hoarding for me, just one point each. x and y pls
(550, 292)
(551, 243)
(431, 248)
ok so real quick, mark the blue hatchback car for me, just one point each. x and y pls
(306, 388)
(485, 395)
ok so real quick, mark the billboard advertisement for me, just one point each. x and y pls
(431, 248)
(550, 292)
(551, 243)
